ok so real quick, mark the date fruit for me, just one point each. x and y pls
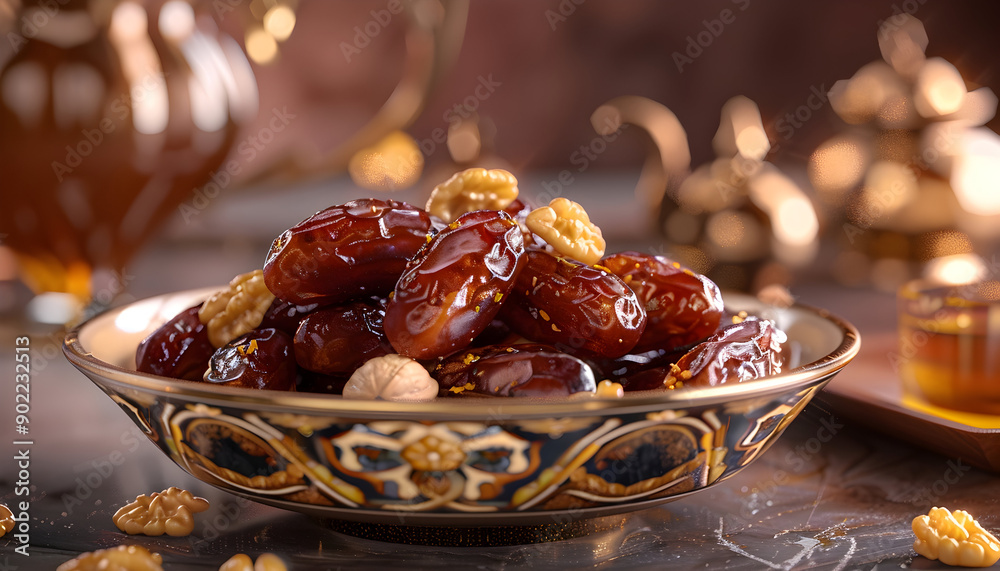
(345, 252)
(682, 307)
(639, 371)
(179, 348)
(260, 359)
(286, 316)
(454, 286)
(338, 340)
(527, 370)
(579, 309)
(740, 352)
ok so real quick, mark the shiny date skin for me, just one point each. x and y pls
(338, 340)
(286, 316)
(454, 286)
(528, 370)
(639, 371)
(739, 352)
(579, 309)
(346, 252)
(179, 348)
(682, 307)
(260, 359)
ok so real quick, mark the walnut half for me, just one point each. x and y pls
(170, 511)
(265, 562)
(471, 190)
(391, 377)
(121, 558)
(237, 309)
(565, 226)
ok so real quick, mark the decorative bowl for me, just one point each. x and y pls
(459, 462)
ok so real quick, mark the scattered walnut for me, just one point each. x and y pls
(6, 520)
(169, 511)
(236, 310)
(242, 562)
(609, 389)
(391, 377)
(955, 539)
(470, 190)
(121, 558)
(565, 225)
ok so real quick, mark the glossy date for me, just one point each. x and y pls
(579, 309)
(639, 370)
(682, 307)
(454, 286)
(514, 370)
(338, 340)
(260, 359)
(740, 352)
(286, 316)
(345, 252)
(179, 348)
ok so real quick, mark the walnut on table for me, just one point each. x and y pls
(170, 511)
(120, 558)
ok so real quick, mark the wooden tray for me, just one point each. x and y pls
(869, 392)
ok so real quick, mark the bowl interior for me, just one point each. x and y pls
(818, 344)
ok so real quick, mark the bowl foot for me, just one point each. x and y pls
(477, 536)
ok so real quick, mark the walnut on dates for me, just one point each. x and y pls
(470, 190)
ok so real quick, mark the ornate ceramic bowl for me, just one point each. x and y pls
(459, 462)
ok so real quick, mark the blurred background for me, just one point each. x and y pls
(150, 146)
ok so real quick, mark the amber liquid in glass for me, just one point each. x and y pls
(950, 346)
(83, 186)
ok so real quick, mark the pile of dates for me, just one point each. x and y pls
(487, 295)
